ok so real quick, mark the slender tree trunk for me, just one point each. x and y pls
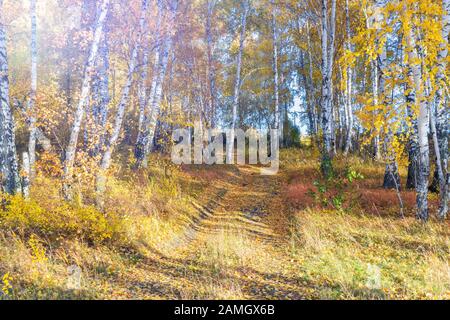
(142, 90)
(411, 182)
(101, 98)
(439, 174)
(156, 103)
(146, 111)
(327, 93)
(443, 116)
(341, 116)
(349, 83)
(143, 146)
(237, 84)
(311, 87)
(9, 172)
(326, 113)
(145, 139)
(85, 91)
(309, 108)
(26, 175)
(211, 69)
(142, 87)
(375, 94)
(391, 176)
(275, 67)
(331, 49)
(32, 102)
(422, 128)
(107, 155)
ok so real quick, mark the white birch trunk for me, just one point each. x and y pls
(32, 102)
(26, 175)
(328, 33)
(411, 182)
(237, 84)
(156, 101)
(311, 88)
(100, 92)
(331, 50)
(9, 172)
(145, 138)
(275, 68)
(85, 91)
(142, 91)
(443, 116)
(375, 94)
(211, 69)
(422, 127)
(349, 87)
(309, 106)
(145, 115)
(109, 148)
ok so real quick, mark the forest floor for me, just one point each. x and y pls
(231, 233)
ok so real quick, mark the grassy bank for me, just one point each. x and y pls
(224, 233)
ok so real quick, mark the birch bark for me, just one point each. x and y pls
(140, 145)
(80, 110)
(309, 106)
(32, 102)
(210, 56)
(328, 35)
(9, 172)
(443, 116)
(311, 87)
(142, 90)
(275, 68)
(107, 155)
(144, 142)
(237, 84)
(349, 83)
(101, 98)
(422, 125)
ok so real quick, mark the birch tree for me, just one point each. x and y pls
(391, 176)
(124, 100)
(311, 88)
(328, 39)
(85, 91)
(211, 4)
(144, 141)
(422, 118)
(142, 90)
(308, 92)
(144, 98)
(375, 75)
(349, 84)
(275, 66)
(9, 172)
(441, 137)
(237, 82)
(411, 182)
(101, 98)
(32, 102)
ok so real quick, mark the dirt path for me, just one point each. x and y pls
(235, 248)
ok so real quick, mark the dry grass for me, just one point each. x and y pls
(147, 243)
(339, 251)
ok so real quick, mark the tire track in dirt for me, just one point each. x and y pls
(205, 212)
(239, 208)
(239, 213)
